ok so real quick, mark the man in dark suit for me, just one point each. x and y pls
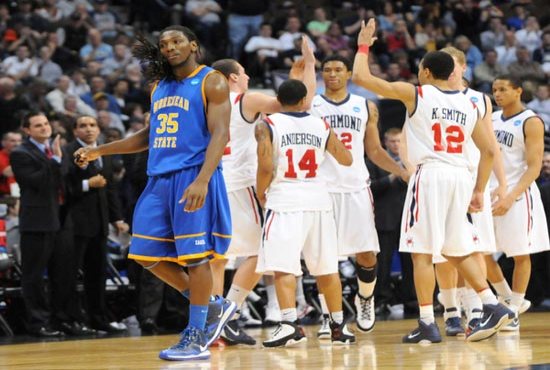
(38, 171)
(93, 203)
(389, 196)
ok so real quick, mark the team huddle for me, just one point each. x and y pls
(294, 185)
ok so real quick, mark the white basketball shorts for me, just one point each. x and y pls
(287, 235)
(354, 215)
(523, 229)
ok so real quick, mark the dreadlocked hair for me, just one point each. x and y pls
(156, 66)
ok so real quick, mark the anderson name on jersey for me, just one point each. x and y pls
(299, 144)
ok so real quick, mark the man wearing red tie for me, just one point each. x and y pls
(38, 171)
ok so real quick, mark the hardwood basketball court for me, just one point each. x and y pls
(381, 349)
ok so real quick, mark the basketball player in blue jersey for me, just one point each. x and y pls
(182, 218)
(440, 122)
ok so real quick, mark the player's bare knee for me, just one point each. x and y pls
(366, 259)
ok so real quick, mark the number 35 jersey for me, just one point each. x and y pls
(440, 127)
(348, 119)
(299, 144)
(178, 134)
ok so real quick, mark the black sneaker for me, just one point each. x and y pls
(494, 317)
(286, 334)
(423, 334)
(453, 327)
(232, 334)
(340, 334)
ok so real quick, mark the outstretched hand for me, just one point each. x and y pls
(366, 35)
(83, 156)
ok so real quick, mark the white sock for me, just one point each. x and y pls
(460, 293)
(448, 298)
(366, 289)
(503, 289)
(237, 295)
(323, 303)
(337, 317)
(271, 296)
(472, 302)
(289, 314)
(487, 296)
(427, 314)
(516, 300)
(300, 297)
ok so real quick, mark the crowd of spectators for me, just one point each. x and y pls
(73, 57)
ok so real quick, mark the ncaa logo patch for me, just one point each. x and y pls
(517, 122)
(195, 81)
(474, 99)
(356, 109)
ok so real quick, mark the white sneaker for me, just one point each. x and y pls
(303, 310)
(246, 318)
(365, 313)
(272, 315)
(324, 330)
(525, 305)
(287, 334)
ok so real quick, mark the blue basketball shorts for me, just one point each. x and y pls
(163, 231)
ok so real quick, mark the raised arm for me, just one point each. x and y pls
(361, 73)
(218, 114)
(534, 151)
(303, 70)
(338, 150)
(374, 149)
(264, 174)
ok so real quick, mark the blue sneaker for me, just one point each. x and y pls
(513, 325)
(494, 317)
(423, 334)
(453, 327)
(220, 312)
(192, 346)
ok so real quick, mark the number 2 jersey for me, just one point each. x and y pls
(299, 144)
(440, 127)
(510, 135)
(178, 135)
(348, 119)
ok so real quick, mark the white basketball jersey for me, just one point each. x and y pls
(239, 158)
(478, 98)
(348, 120)
(440, 126)
(511, 138)
(299, 143)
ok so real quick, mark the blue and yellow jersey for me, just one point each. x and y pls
(179, 134)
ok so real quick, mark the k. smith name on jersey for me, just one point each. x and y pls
(440, 126)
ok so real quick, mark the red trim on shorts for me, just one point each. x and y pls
(417, 194)
(419, 88)
(269, 226)
(253, 204)
(528, 211)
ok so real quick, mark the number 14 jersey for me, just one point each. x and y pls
(299, 144)
(348, 119)
(440, 127)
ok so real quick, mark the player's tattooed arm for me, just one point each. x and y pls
(264, 174)
(374, 149)
(338, 150)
